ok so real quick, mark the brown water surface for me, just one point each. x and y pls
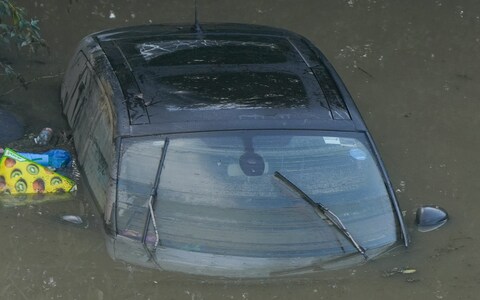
(411, 66)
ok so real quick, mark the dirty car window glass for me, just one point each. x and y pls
(231, 90)
(136, 180)
(243, 50)
(217, 193)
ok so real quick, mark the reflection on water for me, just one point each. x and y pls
(413, 72)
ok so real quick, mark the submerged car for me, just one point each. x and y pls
(230, 150)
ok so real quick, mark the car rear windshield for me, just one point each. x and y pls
(218, 193)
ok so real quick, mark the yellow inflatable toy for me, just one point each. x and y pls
(19, 175)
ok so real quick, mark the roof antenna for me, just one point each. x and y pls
(196, 27)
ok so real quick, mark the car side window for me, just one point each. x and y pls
(75, 86)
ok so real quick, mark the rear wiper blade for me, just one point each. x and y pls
(153, 198)
(324, 211)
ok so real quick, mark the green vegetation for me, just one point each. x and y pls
(16, 31)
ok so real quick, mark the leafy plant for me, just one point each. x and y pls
(17, 31)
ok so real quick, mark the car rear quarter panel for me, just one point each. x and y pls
(87, 96)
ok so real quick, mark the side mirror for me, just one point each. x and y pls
(430, 217)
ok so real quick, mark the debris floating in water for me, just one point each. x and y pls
(18, 175)
(72, 219)
(400, 270)
(408, 271)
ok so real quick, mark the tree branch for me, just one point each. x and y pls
(26, 83)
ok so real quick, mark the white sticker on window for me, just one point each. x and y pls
(331, 140)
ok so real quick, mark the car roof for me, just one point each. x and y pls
(229, 76)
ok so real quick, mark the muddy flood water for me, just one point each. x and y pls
(412, 68)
